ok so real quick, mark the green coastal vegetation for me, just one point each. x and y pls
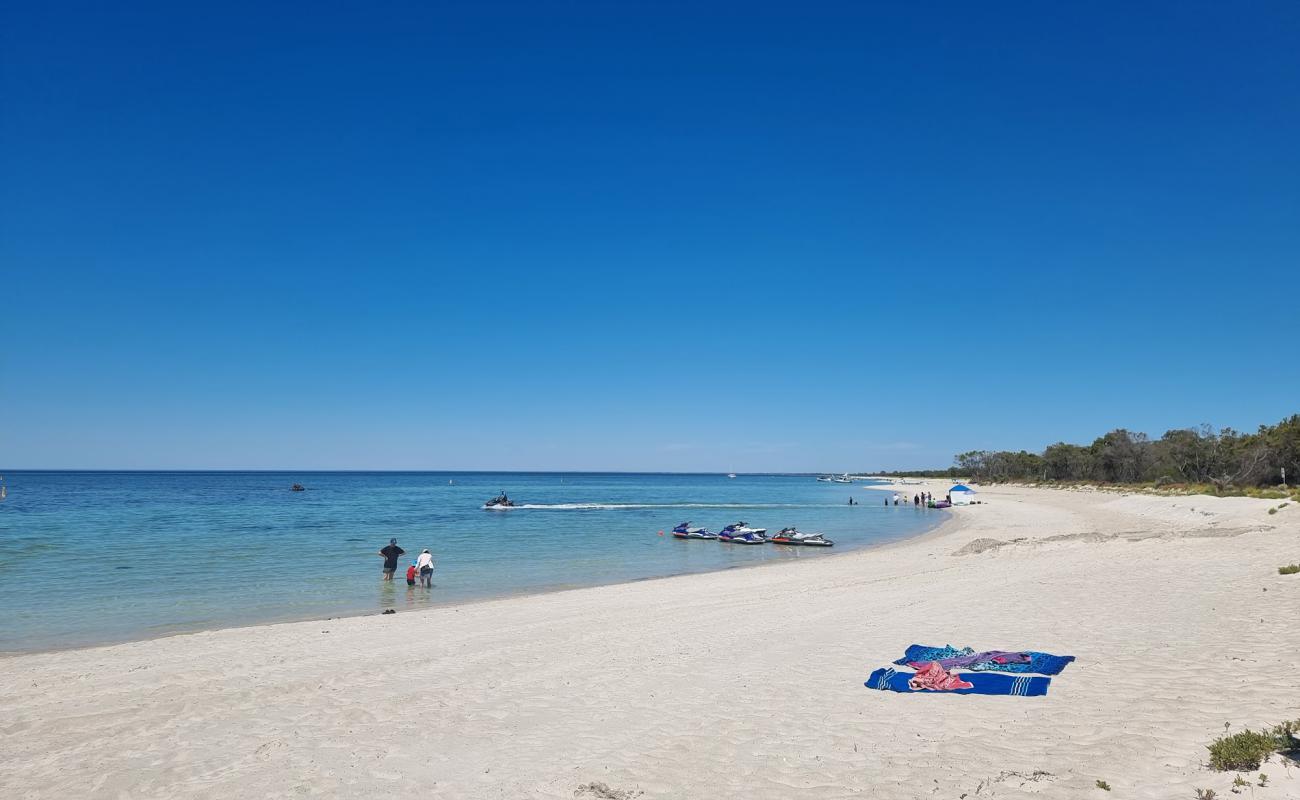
(1183, 460)
(1247, 750)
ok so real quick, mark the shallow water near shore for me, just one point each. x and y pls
(99, 557)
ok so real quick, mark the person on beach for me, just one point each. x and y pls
(410, 574)
(425, 565)
(916, 500)
(391, 553)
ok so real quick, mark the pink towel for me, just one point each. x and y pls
(936, 679)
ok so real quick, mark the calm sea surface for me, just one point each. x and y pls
(97, 557)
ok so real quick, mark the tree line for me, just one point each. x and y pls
(1221, 458)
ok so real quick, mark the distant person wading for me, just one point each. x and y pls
(391, 553)
(425, 565)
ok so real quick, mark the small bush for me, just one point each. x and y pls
(1241, 751)
(1105, 787)
(1272, 511)
(1206, 794)
(1246, 751)
(1289, 569)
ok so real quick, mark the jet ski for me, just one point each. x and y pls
(499, 503)
(685, 531)
(792, 536)
(741, 533)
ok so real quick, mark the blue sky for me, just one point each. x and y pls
(678, 236)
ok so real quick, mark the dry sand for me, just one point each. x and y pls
(744, 684)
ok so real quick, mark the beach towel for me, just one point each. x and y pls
(936, 678)
(890, 679)
(950, 657)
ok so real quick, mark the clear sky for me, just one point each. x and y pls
(673, 236)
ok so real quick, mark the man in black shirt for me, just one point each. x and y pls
(391, 553)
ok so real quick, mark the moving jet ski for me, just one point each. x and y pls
(685, 531)
(792, 536)
(499, 503)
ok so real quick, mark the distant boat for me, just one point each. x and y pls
(842, 479)
(825, 479)
(731, 474)
(499, 503)
(4, 492)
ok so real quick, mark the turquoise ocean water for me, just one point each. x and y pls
(99, 557)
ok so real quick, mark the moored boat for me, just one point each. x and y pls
(791, 536)
(685, 531)
(741, 533)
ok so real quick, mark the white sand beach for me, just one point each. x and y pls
(745, 684)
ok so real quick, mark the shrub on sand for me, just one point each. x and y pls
(1246, 751)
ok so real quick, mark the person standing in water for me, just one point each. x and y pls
(425, 566)
(391, 553)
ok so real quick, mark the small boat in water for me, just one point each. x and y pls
(825, 479)
(297, 487)
(499, 503)
(842, 479)
(731, 474)
(685, 531)
(792, 536)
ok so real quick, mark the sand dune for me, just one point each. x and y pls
(746, 683)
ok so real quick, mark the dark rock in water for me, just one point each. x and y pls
(390, 611)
